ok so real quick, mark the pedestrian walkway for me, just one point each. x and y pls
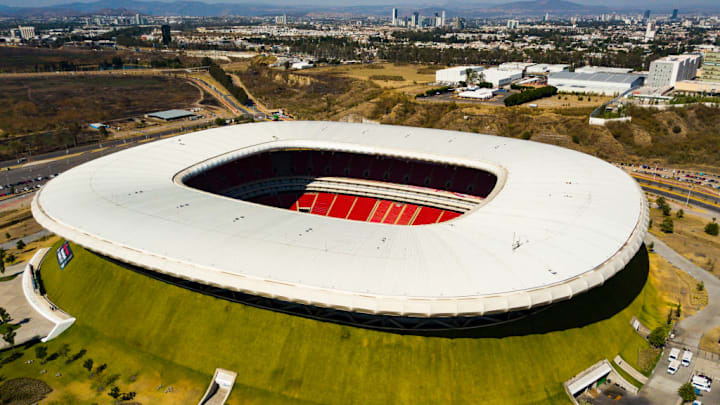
(32, 324)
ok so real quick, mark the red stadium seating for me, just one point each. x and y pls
(322, 203)
(342, 205)
(407, 214)
(393, 213)
(362, 209)
(427, 215)
(380, 210)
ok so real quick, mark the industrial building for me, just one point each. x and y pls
(543, 69)
(500, 78)
(478, 94)
(665, 72)
(602, 69)
(692, 87)
(171, 115)
(710, 67)
(607, 84)
(455, 75)
(515, 66)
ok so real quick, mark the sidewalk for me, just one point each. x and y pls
(32, 324)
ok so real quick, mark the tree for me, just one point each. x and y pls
(657, 337)
(680, 213)
(667, 226)
(114, 392)
(20, 244)
(64, 350)
(701, 286)
(2, 261)
(651, 246)
(220, 121)
(9, 337)
(4, 316)
(660, 202)
(687, 392)
(666, 210)
(712, 228)
(40, 352)
(88, 364)
(9, 258)
(101, 368)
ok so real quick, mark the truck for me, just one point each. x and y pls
(674, 354)
(700, 383)
(673, 366)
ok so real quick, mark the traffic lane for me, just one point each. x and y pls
(90, 147)
(694, 202)
(671, 187)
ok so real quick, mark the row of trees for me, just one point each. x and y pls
(530, 95)
(226, 81)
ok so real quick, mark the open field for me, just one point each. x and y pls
(29, 105)
(676, 287)
(689, 239)
(388, 75)
(710, 341)
(571, 101)
(26, 59)
(161, 333)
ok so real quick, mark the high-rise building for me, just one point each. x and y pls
(442, 19)
(166, 37)
(547, 17)
(674, 14)
(395, 16)
(665, 72)
(710, 67)
(415, 19)
(281, 19)
(513, 24)
(650, 31)
(26, 32)
(646, 16)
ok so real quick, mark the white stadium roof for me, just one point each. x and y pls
(577, 221)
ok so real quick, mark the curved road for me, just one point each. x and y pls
(662, 388)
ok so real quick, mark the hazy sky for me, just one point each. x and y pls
(408, 3)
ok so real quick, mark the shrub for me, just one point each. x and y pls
(676, 129)
(687, 392)
(660, 201)
(20, 244)
(712, 228)
(526, 135)
(658, 336)
(530, 95)
(666, 210)
(700, 286)
(667, 225)
(680, 213)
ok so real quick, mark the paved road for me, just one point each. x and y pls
(662, 387)
(11, 244)
(33, 324)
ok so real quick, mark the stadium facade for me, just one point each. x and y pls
(373, 220)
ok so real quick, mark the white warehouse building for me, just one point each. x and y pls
(608, 84)
(455, 75)
(500, 78)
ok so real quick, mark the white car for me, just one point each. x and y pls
(701, 383)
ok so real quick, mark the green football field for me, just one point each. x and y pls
(281, 358)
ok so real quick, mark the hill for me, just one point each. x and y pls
(288, 359)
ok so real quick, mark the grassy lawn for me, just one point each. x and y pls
(165, 334)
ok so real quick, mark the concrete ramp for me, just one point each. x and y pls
(220, 387)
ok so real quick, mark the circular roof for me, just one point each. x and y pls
(558, 223)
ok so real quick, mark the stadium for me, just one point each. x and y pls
(379, 226)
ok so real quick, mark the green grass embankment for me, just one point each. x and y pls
(284, 358)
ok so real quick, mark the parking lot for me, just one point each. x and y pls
(663, 387)
(497, 100)
(611, 394)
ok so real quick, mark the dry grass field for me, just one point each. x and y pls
(42, 104)
(689, 239)
(401, 77)
(676, 287)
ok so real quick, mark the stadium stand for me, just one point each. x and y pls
(316, 163)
